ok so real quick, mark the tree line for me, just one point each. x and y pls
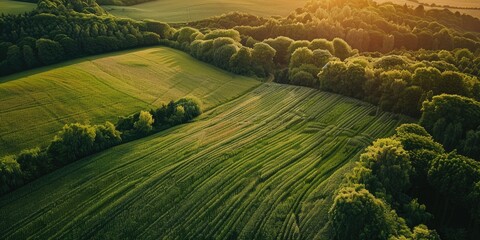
(365, 25)
(403, 184)
(76, 141)
(60, 30)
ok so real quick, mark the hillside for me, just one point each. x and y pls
(15, 7)
(185, 11)
(96, 89)
(260, 166)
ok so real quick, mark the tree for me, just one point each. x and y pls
(73, 142)
(34, 163)
(15, 58)
(240, 62)
(390, 164)
(342, 49)
(162, 29)
(223, 55)
(106, 136)
(421, 232)
(10, 174)
(426, 78)
(301, 56)
(29, 57)
(144, 124)
(262, 56)
(357, 214)
(281, 45)
(49, 51)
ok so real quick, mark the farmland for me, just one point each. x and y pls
(260, 166)
(184, 11)
(101, 88)
(15, 7)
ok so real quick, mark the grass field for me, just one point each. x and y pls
(459, 3)
(261, 166)
(184, 11)
(34, 105)
(15, 7)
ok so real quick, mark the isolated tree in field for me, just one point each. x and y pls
(144, 123)
(357, 214)
(262, 57)
(342, 49)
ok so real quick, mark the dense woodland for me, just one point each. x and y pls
(425, 64)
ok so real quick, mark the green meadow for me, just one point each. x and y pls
(15, 7)
(185, 11)
(35, 104)
(263, 165)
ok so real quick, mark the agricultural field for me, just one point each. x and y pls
(36, 104)
(185, 11)
(460, 3)
(262, 165)
(15, 7)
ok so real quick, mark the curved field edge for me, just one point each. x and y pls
(34, 105)
(264, 165)
(187, 11)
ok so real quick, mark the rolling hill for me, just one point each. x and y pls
(185, 11)
(101, 88)
(260, 166)
(15, 7)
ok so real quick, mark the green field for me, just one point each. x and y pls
(261, 166)
(15, 7)
(459, 3)
(184, 11)
(34, 105)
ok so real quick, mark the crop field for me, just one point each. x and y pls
(35, 104)
(460, 3)
(185, 11)
(260, 166)
(15, 7)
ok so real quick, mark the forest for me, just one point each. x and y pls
(421, 183)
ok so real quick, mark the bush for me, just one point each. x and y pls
(11, 175)
(144, 123)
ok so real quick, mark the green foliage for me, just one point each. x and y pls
(390, 164)
(341, 48)
(262, 56)
(34, 163)
(421, 232)
(357, 214)
(73, 142)
(10, 174)
(144, 123)
(449, 118)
